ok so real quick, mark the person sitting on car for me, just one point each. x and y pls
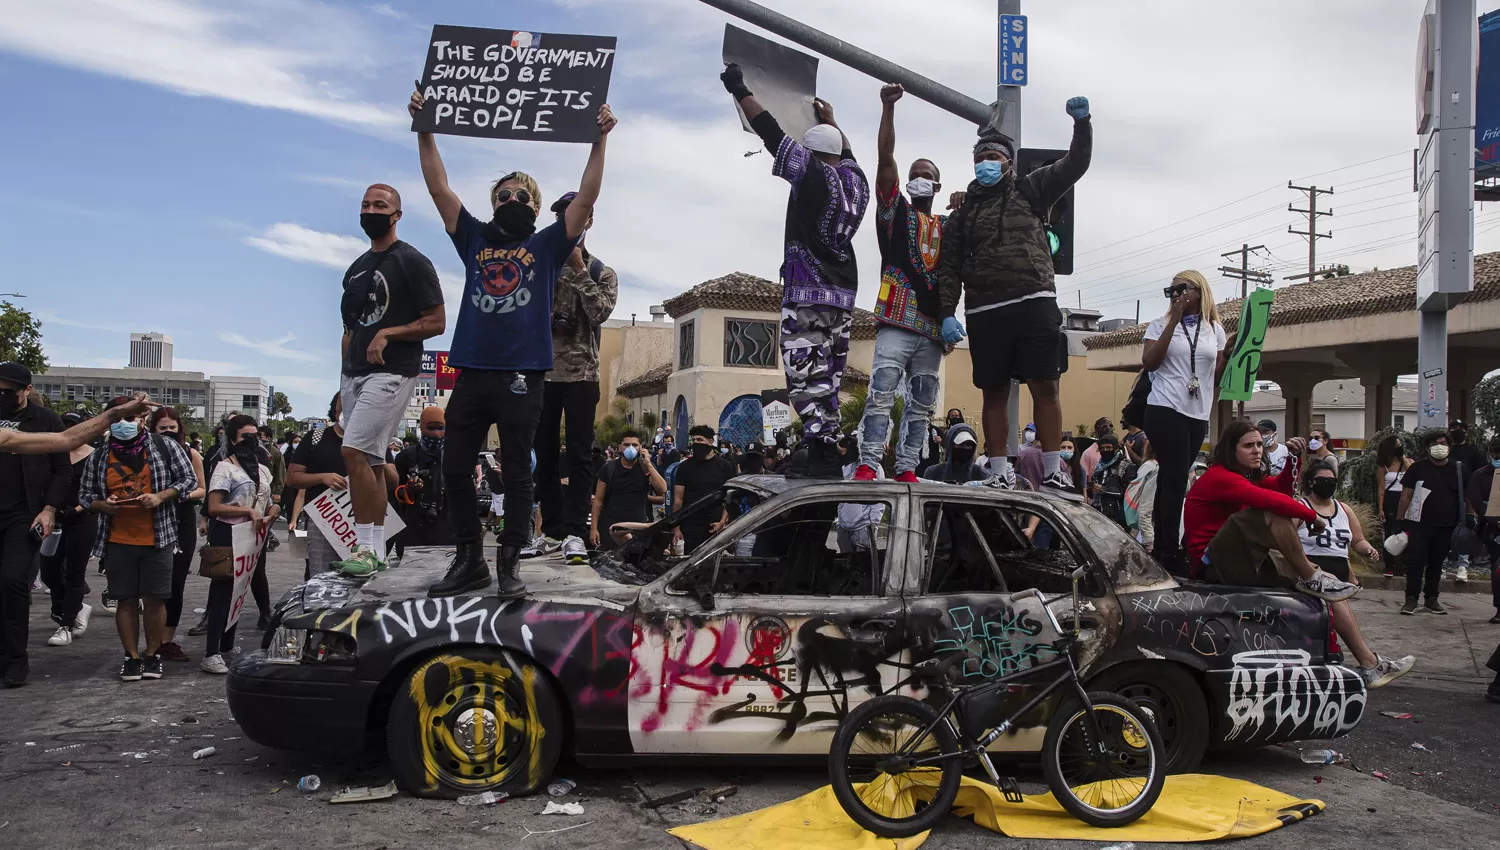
(1329, 550)
(1241, 531)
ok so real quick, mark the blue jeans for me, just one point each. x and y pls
(900, 354)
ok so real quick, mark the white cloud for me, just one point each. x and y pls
(275, 54)
(272, 347)
(305, 245)
(386, 10)
(209, 367)
(46, 317)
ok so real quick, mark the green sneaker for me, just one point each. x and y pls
(363, 562)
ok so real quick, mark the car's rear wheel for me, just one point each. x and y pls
(472, 721)
(1173, 699)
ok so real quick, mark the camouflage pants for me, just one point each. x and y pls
(814, 349)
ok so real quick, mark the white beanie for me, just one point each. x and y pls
(824, 138)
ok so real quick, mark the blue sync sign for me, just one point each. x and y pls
(1487, 96)
(1013, 50)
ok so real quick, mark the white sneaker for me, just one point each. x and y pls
(1461, 574)
(214, 664)
(61, 637)
(575, 551)
(1387, 670)
(81, 624)
(1327, 587)
(1004, 481)
(541, 546)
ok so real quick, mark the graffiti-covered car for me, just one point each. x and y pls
(816, 596)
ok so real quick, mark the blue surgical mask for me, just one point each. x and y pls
(989, 171)
(631, 452)
(1495, 462)
(124, 430)
(1066, 454)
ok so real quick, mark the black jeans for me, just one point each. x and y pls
(260, 588)
(693, 536)
(1175, 440)
(17, 572)
(1426, 548)
(219, 639)
(65, 572)
(566, 514)
(182, 562)
(481, 398)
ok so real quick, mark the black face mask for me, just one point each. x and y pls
(1324, 487)
(955, 420)
(1106, 457)
(963, 456)
(1458, 437)
(701, 452)
(10, 402)
(512, 222)
(376, 225)
(247, 452)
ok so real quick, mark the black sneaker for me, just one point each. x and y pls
(130, 671)
(1435, 607)
(467, 573)
(1411, 605)
(1495, 620)
(263, 623)
(202, 627)
(16, 672)
(151, 667)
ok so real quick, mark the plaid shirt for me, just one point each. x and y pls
(171, 468)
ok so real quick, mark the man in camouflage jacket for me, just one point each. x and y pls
(585, 296)
(997, 252)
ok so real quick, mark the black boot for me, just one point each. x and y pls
(468, 572)
(507, 565)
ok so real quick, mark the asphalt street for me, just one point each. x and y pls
(87, 759)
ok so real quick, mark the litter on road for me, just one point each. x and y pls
(1420, 746)
(204, 753)
(1397, 715)
(555, 808)
(366, 793)
(530, 832)
(668, 799)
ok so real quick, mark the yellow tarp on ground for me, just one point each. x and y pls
(1192, 807)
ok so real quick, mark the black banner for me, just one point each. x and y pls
(512, 84)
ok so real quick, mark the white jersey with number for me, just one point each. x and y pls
(1333, 541)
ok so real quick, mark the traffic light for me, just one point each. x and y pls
(1060, 219)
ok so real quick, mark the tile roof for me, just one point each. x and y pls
(651, 382)
(1367, 294)
(741, 291)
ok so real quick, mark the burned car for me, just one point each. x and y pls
(816, 596)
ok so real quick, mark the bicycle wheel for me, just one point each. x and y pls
(1111, 781)
(890, 778)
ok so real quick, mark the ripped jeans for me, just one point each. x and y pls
(900, 354)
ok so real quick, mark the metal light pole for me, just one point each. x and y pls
(1009, 99)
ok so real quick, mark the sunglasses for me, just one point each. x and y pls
(504, 196)
(1175, 290)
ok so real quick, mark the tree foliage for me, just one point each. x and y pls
(1486, 398)
(280, 406)
(609, 430)
(649, 421)
(21, 338)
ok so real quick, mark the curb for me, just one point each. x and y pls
(1476, 584)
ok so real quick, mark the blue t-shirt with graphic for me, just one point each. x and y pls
(505, 318)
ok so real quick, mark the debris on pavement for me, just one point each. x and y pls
(1318, 779)
(1322, 757)
(530, 832)
(717, 795)
(561, 787)
(674, 797)
(1397, 715)
(1129, 845)
(204, 753)
(366, 793)
(309, 783)
(487, 798)
(555, 808)
(1378, 775)
(1420, 746)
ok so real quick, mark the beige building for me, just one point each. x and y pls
(723, 343)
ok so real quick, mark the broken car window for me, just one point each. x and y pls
(819, 548)
(1028, 551)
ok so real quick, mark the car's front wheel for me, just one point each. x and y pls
(473, 721)
(1176, 704)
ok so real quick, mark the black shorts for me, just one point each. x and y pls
(1022, 341)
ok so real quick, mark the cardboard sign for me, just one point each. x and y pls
(1243, 363)
(511, 84)
(247, 538)
(783, 80)
(333, 514)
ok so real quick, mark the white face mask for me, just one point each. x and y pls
(1315, 445)
(919, 187)
(1029, 437)
(1438, 452)
(1269, 440)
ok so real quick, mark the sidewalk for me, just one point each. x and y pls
(1451, 651)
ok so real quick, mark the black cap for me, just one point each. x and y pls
(15, 373)
(73, 417)
(1455, 424)
(1265, 425)
(562, 203)
(754, 448)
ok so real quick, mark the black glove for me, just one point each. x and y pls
(734, 82)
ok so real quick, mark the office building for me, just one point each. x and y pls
(151, 351)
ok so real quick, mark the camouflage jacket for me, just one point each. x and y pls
(580, 304)
(995, 248)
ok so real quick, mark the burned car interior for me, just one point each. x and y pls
(975, 548)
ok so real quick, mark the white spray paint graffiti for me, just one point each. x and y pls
(1272, 689)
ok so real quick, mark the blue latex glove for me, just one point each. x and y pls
(953, 332)
(1078, 107)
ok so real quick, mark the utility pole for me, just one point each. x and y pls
(1244, 275)
(1312, 212)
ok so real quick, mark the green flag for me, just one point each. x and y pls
(1244, 361)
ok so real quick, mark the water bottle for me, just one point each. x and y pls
(204, 753)
(1321, 757)
(49, 545)
(561, 787)
(488, 798)
(309, 783)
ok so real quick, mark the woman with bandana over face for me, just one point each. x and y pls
(1430, 519)
(239, 492)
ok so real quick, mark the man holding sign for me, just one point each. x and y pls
(503, 339)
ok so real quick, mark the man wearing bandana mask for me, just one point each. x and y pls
(419, 494)
(135, 481)
(999, 258)
(32, 489)
(502, 342)
(909, 344)
(702, 474)
(958, 465)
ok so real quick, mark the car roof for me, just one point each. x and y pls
(778, 484)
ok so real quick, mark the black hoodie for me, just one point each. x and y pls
(952, 470)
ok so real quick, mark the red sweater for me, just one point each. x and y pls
(1221, 493)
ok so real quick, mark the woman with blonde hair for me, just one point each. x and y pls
(1184, 352)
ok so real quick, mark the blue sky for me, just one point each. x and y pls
(195, 168)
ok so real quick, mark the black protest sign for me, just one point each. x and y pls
(512, 84)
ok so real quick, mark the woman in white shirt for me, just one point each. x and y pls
(239, 491)
(1184, 352)
(1391, 463)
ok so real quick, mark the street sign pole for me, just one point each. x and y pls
(1008, 96)
(1445, 183)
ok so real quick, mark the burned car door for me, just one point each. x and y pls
(980, 555)
(765, 639)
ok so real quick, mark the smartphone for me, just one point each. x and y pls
(36, 533)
